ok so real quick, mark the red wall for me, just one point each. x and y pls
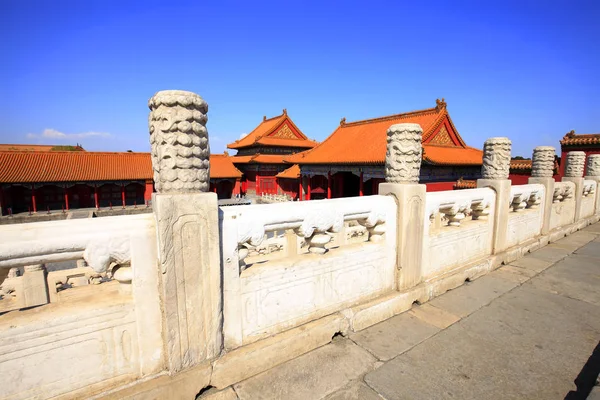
(439, 186)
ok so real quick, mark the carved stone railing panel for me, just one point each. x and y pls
(589, 187)
(563, 191)
(455, 206)
(349, 254)
(526, 196)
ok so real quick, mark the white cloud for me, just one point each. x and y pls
(54, 134)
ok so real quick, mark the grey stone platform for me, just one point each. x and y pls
(529, 330)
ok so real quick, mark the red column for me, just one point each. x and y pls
(67, 198)
(148, 190)
(329, 185)
(123, 194)
(96, 196)
(33, 203)
(2, 205)
(308, 189)
(360, 190)
(300, 188)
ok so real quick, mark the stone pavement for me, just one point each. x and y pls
(529, 330)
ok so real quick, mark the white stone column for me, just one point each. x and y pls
(494, 173)
(402, 166)
(593, 173)
(188, 228)
(542, 171)
(574, 173)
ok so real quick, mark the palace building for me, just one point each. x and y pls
(39, 178)
(350, 162)
(260, 155)
(588, 143)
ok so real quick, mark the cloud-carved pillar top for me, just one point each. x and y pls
(179, 141)
(575, 164)
(496, 158)
(404, 153)
(542, 165)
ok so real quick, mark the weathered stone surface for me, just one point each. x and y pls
(434, 316)
(547, 201)
(496, 158)
(257, 357)
(394, 336)
(593, 165)
(503, 351)
(549, 254)
(403, 157)
(471, 297)
(542, 165)
(356, 390)
(574, 164)
(501, 210)
(189, 262)
(179, 140)
(225, 394)
(311, 376)
(576, 276)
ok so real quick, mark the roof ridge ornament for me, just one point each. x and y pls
(571, 133)
(440, 104)
(285, 111)
(264, 118)
(343, 121)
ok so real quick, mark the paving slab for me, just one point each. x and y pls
(532, 263)
(591, 249)
(594, 228)
(527, 344)
(577, 277)
(357, 390)
(551, 254)
(471, 296)
(394, 336)
(512, 274)
(434, 316)
(311, 376)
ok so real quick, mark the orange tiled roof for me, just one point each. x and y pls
(277, 131)
(39, 147)
(364, 142)
(82, 166)
(445, 155)
(465, 184)
(292, 172)
(221, 166)
(573, 139)
(520, 164)
(258, 158)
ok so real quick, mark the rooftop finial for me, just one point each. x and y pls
(343, 121)
(285, 111)
(440, 104)
(264, 117)
(571, 133)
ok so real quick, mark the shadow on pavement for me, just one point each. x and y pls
(586, 379)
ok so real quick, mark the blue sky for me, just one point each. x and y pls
(83, 71)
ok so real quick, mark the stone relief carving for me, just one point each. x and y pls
(563, 191)
(404, 153)
(593, 165)
(496, 158)
(542, 165)
(100, 253)
(575, 163)
(179, 141)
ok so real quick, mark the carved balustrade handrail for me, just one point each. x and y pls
(563, 191)
(311, 220)
(456, 204)
(589, 187)
(99, 240)
(526, 196)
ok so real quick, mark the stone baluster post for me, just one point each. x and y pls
(494, 173)
(593, 173)
(188, 228)
(402, 167)
(35, 286)
(574, 173)
(542, 171)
